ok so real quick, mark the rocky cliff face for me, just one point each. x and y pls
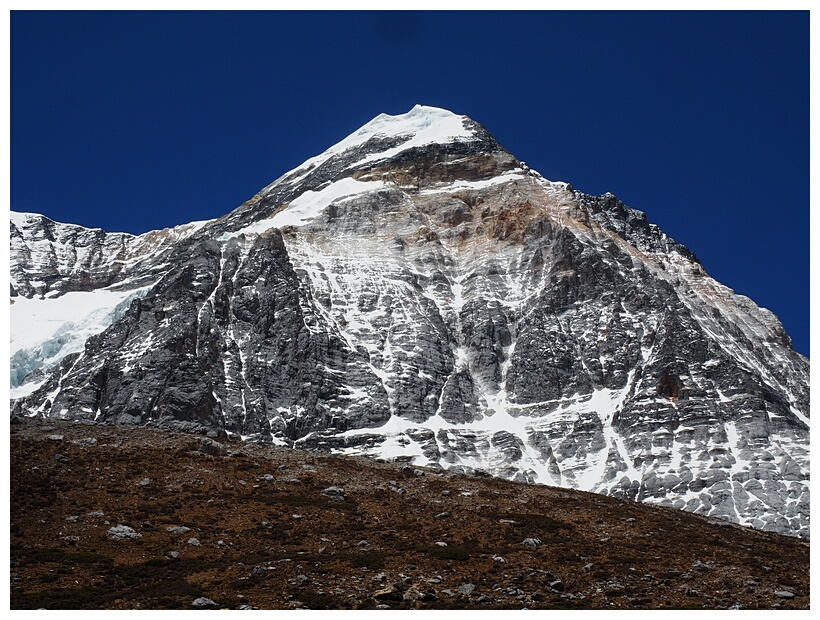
(68, 282)
(417, 293)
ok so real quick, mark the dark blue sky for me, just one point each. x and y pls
(136, 121)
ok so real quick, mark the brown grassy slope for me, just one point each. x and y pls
(270, 539)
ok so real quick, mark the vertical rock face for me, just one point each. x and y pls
(416, 292)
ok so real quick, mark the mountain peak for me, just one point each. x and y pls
(423, 147)
(425, 123)
(416, 293)
(421, 126)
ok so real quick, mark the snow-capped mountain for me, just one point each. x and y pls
(415, 292)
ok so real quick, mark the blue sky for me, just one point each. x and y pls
(136, 121)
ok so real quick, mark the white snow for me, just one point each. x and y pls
(26, 388)
(312, 203)
(355, 393)
(308, 205)
(46, 330)
(421, 125)
(35, 320)
(460, 186)
(800, 416)
(21, 219)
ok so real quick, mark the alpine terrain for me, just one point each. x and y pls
(417, 293)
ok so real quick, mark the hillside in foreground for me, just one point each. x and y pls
(210, 523)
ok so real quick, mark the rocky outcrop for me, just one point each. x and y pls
(417, 293)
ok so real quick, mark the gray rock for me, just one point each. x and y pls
(335, 493)
(466, 588)
(203, 602)
(214, 448)
(194, 541)
(390, 593)
(177, 529)
(785, 594)
(55, 437)
(123, 532)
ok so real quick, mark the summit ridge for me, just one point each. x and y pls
(420, 126)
